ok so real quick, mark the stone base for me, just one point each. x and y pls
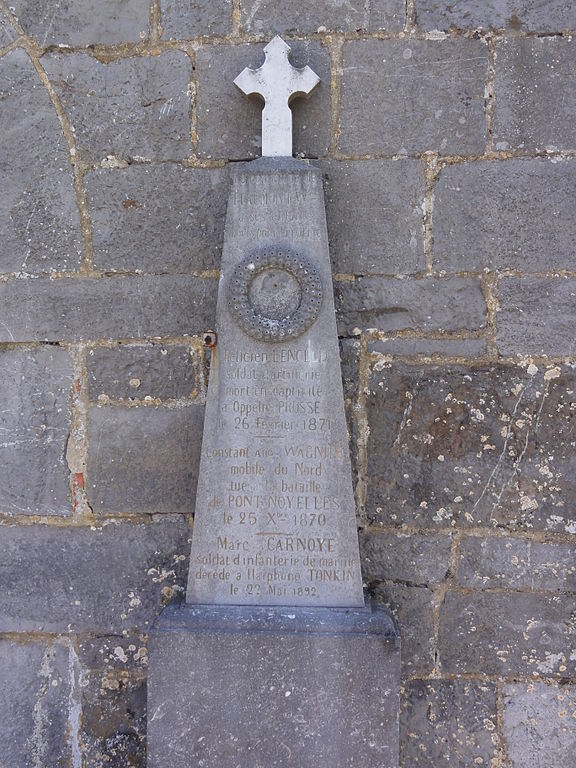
(271, 687)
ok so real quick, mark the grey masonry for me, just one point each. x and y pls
(37, 189)
(455, 264)
(35, 422)
(402, 72)
(149, 122)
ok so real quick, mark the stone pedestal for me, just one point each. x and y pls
(273, 687)
(236, 678)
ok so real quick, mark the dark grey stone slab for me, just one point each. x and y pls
(514, 214)
(349, 363)
(430, 96)
(182, 20)
(419, 560)
(182, 209)
(515, 633)
(38, 704)
(350, 350)
(491, 446)
(233, 686)
(113, 699)
(113, 655)
(129, 108)
(143, 459)
(375, 215)
(7, 31)
(388, 304)
(535, 94)
(157, 371)
(275, 514)
(107, 308)
(413, 610)
(497, 562)
(113, 728)
(372, 620)
(523, 16)
(448, 724)
(38, 211)
(428, 347)
(64, 589)
(536, 316)
(34, 427)
(76, 23)
(539, 724)
(270, 18)
(229, 124)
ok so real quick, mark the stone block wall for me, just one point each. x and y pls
(447, 136)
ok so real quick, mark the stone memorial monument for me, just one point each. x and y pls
(274, 660)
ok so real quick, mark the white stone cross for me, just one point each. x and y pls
(278, 82)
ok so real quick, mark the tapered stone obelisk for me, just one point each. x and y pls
(275, 516)
(274, 660)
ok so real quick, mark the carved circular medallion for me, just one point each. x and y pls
(275, 295)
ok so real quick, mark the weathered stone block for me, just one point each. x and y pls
(349, 364)
(536, 316)
(38, 704)
(375, 215)
(34, 427)
(428, 347)
(418, 560)
(526, 16)
(430, 96)
(65, 588)
(539, 725)
(452, 446)
(114, 655)
(109, 308)
(535, 94)
(238, 684)
(516, 564)
(413, 609)
(77, 23)
(386, 304)
(183, 209)
(129, 108)
(510, 214)
(39, 216)
(229, 124)
(182, 20)
(113, 728)
(113, 693)
(7, 31)
(157, 371)
(447, 724)
(498, 633)
(270, 18)
(350, 350)
(143, 459)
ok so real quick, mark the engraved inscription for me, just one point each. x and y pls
(268, 209)
(277, 493)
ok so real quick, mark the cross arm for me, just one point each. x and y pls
(250, 82)
(304, 82)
